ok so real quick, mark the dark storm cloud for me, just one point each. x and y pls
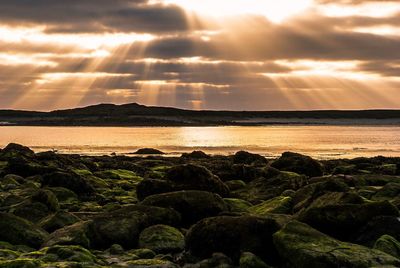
(94, 15)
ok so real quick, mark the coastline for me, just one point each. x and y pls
(196, 210)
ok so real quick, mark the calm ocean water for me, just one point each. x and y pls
(318, 141)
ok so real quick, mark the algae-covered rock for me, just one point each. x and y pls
(150, 187)
(237, 205)
(249, 260)
(231, 236)
(192, 205)
(76, 234)
(72, 253)
(377, 227)
(162, 239)
(20, 263)
(48, 198)
(389, 245)
(235, 185)
(193, 177)
(300, 246)
(343, 220)
(71, 181)
(58, 220)
(388, 192)
(13, 149)
(277, 205)
(18, 231)
(298, 163)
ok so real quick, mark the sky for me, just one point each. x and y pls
(208, 54)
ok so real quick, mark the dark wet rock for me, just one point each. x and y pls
(237, 205)
(243, 157)
(298, 163)
(388, 192)
(57, 221)
(192, 205)
(31, 211)
(13, 149)
(150, 263)
(20, 263)
(196, 155)
(277, 205)
(25, 168)
(374, 180)
(343, 220)
(183, 177)
(377, 227)
(270, 186)
(231, 236)
(72, 253)
(18, 231)
(235, 185)
(216, 260)
(64, 195)
(389, 245)
(192, 177)
(73, 182)
(300, 246)
(150, 187)
(76, 234)
(162, 239)
(307, 194)
(47, 198)
(149, 151)
(249, 260)
(12, 177)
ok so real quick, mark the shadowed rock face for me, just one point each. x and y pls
(119, 211)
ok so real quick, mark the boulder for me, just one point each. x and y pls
(388, 192)
(298, 163)
(57, 221)
(196, 155)
(13, 150)
(237, 205)
(389, 245)
(162, 239)
(18, 231)
(301, 246)
(243, 157)
(149, 187)
(192, 205)
(343, 220)
(249, 260)
(377, 227)
(231, 236)
(270, 186)
(277, 205)
(47, 198)
(149, 151)
(193, 177)
(71, 181)
(76, 234)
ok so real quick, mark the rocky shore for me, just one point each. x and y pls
(197, 211)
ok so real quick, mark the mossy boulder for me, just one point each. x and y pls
(237, 205)
(192, 205)
(162, 239)
(299, 245)
(271, 185)
(193, 177)
(389, 245)
(76, 234)
(377, 227)
(58, 220)
(71, 181)
(149, 187)
(48, 198)
(277, 205)
(249, 260)
(31, 211)
(235, 185)
(150, 263)
(231, 236)
(298, 163)
(343, 220)
(72, 253)
(64, 195)
(243, 157)
(388, 192)
(155, 215)
(13, 150)
(18, 231)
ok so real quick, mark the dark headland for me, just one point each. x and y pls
(197, 211)
(139, 115)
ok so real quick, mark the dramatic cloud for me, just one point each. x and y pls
(317, 54)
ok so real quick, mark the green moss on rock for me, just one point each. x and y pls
(162, 239)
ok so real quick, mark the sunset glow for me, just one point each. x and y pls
(224, 54)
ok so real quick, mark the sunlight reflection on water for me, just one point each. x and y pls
(317, 141)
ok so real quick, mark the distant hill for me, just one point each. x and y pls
(134, 114)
